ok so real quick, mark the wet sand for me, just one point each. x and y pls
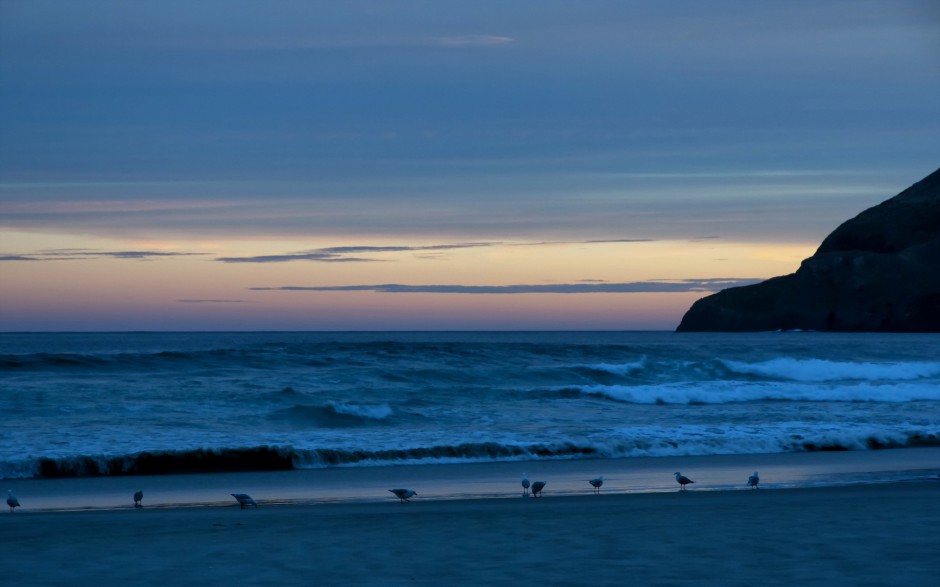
(480, 480)
(878, 534)
(469, 525)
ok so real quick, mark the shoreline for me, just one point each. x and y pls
(489, 480)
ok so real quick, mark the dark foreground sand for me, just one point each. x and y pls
(876, 534)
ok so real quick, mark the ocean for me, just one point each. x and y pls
(114, 404)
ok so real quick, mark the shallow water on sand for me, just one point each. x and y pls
(483, 480)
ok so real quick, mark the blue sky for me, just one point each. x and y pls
(265, 129)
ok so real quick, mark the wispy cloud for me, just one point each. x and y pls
(339, 254)
(472, 41)
(619, 240)
(84, 254)
(302, 256)
(307, 42)
(585, 242)
(213, 302)
(654, 286)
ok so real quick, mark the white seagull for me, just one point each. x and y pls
(597, 483)
(404, 494)
(682, 480)
(244, 500)
(525, 485)
(12, 501)
(537, 488)
(753, 480)
(138, 495)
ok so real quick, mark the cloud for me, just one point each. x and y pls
(336, 254)
(372, 249)
(84, 254)
(654, 286)
(213, 302)
(525, 207)
(619, 240)
(472, 41)
(308, 256)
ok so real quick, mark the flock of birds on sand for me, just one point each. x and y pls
(244, 500)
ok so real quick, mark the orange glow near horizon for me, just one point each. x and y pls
(198, 292)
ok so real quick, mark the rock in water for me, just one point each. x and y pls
(878, 272)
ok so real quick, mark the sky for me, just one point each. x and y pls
(427, 165)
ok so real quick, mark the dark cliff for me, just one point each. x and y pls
(878, 272)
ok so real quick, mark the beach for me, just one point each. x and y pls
(857, 530)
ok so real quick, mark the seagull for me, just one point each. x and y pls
(537, 488)
(682, 480)
(138, 495)
(404, 494)
(243, 500)
(525, 485)
(753, 480)
(11, 500)
(597, 483)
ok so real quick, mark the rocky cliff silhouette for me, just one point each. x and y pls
(878, 272)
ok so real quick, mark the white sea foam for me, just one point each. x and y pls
(720, 392)
(619, 368)
(372, 412)
(825, 370)
(688, 440)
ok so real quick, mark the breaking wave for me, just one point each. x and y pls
(724, 392)
(633, 442)
(820, 370)
(335, 414)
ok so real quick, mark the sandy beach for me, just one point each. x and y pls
(855, 535)
(868, 533)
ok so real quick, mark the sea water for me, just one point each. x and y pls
(164, 403)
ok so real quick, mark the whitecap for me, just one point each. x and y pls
(825, 370)
(370, 411)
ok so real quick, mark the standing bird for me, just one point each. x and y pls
(597, 483)
(753, 480)
(404, 494)
(682, 480)
(537, 488)
(138, 495)
(525, 485)
(244, 500)
(12, 501)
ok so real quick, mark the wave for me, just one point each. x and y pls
(723, 392)
(682, 441)
(366, 412)
(46, 360)
(231, 460)
(79, 361)
(285, 394)
(780, 368)
(335, 414)
(421, 360)
(607, 373)
(819, 370)
(267, 458)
